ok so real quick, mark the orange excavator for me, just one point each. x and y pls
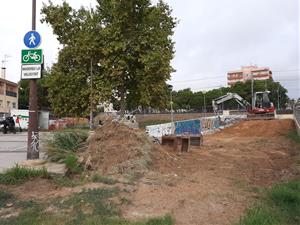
(261, 107)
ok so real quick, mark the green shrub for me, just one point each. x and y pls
(17, 175)
(72, 164)
(5, 197)
(64, 143)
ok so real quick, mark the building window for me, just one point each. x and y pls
(14, 105)
(8, 103)
(1, 102)
(11, 94)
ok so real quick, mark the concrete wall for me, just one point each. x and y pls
(297, 117)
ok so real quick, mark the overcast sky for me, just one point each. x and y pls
(212, 38)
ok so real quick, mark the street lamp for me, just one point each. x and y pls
(204, 104)
(278, 99)
(171, 102)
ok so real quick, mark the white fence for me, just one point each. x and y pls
(194, 126)
(297, 116)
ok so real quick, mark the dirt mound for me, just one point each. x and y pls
(260, 128)
(117, 149)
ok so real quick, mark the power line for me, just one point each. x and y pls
(225, 76)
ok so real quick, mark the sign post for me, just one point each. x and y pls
(32, 40)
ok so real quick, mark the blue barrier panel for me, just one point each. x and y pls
(189, 127)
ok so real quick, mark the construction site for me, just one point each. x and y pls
(211, 182)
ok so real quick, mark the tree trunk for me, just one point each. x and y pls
(123, 104)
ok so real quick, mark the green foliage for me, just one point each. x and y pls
(23, 99)
(280, 206)
(105, 180)
(89, 207)
(132, 41)
(72, 164)
(5, 197)
(18, 175)
(167, 220)
(65, 143)
(293, 135)
(259, 216)
(186, 99)
(67, 181)
(95, 197)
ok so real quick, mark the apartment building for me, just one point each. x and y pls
(8, 94)
(248, 73)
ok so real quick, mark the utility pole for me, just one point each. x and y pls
(33, 132)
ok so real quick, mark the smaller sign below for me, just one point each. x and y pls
(31, 72)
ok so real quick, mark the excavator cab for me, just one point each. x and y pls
(262, 104)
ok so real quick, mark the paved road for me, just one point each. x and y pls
(13, 149)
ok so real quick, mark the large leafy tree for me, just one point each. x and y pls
(129, 39)
(75, 80)
(138, 49)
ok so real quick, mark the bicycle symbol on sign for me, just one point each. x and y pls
(34, 56)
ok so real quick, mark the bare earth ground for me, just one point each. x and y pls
(214, 185)
(211, 185)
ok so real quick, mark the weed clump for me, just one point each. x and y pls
(280, 206)
(18, 175)
(65, 143)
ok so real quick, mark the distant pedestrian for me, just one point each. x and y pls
(18, 122)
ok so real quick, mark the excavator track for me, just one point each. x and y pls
(265, 116)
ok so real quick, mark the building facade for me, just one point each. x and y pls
(248, 73)
(8, 94)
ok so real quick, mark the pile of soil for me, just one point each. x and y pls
(116, 149)
(260, 128)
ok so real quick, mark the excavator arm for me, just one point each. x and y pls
(242, 102)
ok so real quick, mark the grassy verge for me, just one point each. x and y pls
(89, 207)
(105, 180)
(280, 206)
(293, 135)
(64, 146)
(18, 175)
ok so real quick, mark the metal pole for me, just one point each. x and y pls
(204, 106)
(252, 94)
(33, 132)
(172, 116)
(91, 97)
(278, 98)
